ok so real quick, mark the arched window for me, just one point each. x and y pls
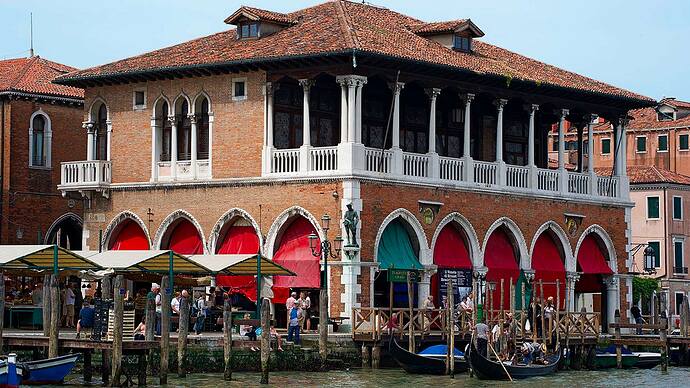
(38, 141)
(287, 122)
(202, 130)
(166, 133)
(184, 133)
(101, 137)
(414, 120)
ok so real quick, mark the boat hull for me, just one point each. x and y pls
(50, 371)
(486, 369)
(607, 361)
(416, 364)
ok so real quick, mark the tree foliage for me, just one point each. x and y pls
(644, 288)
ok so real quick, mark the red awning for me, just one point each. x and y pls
(294, 254)
(500, 259)
(450, 250)
(185, 239)
(591, 259)
(129, 237)
(547, 263)
(239, 240)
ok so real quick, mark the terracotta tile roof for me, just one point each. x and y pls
(343, 26)
(259, 14)
(649, 174)
(675, 103)
(646, 118)
(35, 75)
(442, 27)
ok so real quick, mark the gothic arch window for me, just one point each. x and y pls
(101, 138)
(165, 132)
(40, 139)
(184, 132)
(202, 121)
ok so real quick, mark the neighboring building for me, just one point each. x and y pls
(660, 219)
(242, 140)
(40, 128)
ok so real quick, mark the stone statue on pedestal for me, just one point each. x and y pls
(350, 222)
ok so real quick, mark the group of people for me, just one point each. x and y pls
(299, 314)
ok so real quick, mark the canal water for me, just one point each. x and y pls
(393, 378)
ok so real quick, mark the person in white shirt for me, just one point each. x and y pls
(156, 294)
(175, 303)
(290, 303)
(70, 298)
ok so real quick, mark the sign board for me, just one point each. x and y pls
(462, 282)
(400, 275)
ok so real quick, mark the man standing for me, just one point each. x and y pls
(294, 323)
(290, 303)
(637, 314)
(482, 332)
(70, 298)
(155, 294)
(37, 295)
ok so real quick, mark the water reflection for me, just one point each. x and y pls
(393, 378)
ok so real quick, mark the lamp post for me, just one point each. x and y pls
(649, 257)
(323, 251)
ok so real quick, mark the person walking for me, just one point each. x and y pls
(294, 323)
(200, 313)
(637, 315)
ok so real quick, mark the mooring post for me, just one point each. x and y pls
(451, 322)
(183, 330)
(542, 300)
(118, 311)
(410, 327)
(141, 375)
(149, 334)
(46, 305)
(323, 326)
(366, 356)
(54, 332)
(523, 309)
(617, 336)
(265, 339)
(106, 296)
(227, 339)
(664, 341)
(88, 369)
(165, 329)
(375, 357)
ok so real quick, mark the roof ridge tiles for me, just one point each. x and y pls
(345, 24)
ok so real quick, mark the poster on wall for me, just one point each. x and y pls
(462, 283)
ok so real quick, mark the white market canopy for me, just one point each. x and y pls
(43, 257)
(243, 264)
(148, 261)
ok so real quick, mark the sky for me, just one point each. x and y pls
(639, 45)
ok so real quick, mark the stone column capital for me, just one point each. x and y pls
(432, 92)
(396, 87)
(562, 113)
(172, 119)
(480, 272)
(591, 118)
(192, 118)
(467, 98)
(270, 88)
(88, 125)
(529, 275)
(306, 84)
(572, 276)
(500, 103)
(351, 80)
(531, 108)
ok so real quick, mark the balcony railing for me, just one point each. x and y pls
(85, 175)
(441, 170)
(183, 170)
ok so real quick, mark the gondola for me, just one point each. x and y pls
(431, 364)
(486, 369)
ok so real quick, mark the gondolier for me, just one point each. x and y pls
(482, 335)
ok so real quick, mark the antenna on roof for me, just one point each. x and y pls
(31, 34)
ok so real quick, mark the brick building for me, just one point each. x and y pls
(40, 124)
(243, 139)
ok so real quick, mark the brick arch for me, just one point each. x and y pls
(517, 234)
(608, 244)
(118, 220)
(281, 222)
(466, 226)
(562, 238)
(404, 214)
(170, 220)
(227, 217)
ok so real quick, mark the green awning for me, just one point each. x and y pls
(518, 291)
(395, 249)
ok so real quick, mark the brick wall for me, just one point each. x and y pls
(31, 200)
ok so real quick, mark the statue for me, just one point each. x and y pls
(350, 221)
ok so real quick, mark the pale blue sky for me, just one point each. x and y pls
(639, 45)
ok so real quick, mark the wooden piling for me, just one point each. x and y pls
(149, 334)
(54, 331)
(375, 357)
(88, 369)
(106, 295)
(323, 326)
(410, 327)
(664, 343)
(557, 312)
(266, 339)
(451, 323)
(118, 311)
(366, 356)
(617, 335)
(541, 302)
(165, 329)
(227, 339)
(533, 318)
(141, 375)
(183, 331)
(2, 306)
(523, 309)
(46, 305)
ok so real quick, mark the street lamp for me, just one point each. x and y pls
(323, 251)
(649, 258)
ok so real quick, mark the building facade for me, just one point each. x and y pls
(40, 124)
(242, 140)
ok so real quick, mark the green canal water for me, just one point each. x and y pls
(393, 378)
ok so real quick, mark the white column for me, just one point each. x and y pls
(210, 145)
(591, 120)
(612, 297)
(269, 89)
(397, 153)
(89, 139)
(351, 111)
(361, 81)
(154, 153)
(305, 149)
(173, 147)
(624, 190)
(570, 279)
(109, 136)
(434, 161)
(192, 120)
(343, 109)
(501, 170)
(534, 184)
(467, 139)
(48, 146)
(563, 174)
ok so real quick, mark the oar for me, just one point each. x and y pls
(499, 361)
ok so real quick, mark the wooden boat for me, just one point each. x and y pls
(647, 360)
(487, 369)
(11, 373)
(49, 371)
(432, 363)
(606, 358)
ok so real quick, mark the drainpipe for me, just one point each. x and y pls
(2, 163)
